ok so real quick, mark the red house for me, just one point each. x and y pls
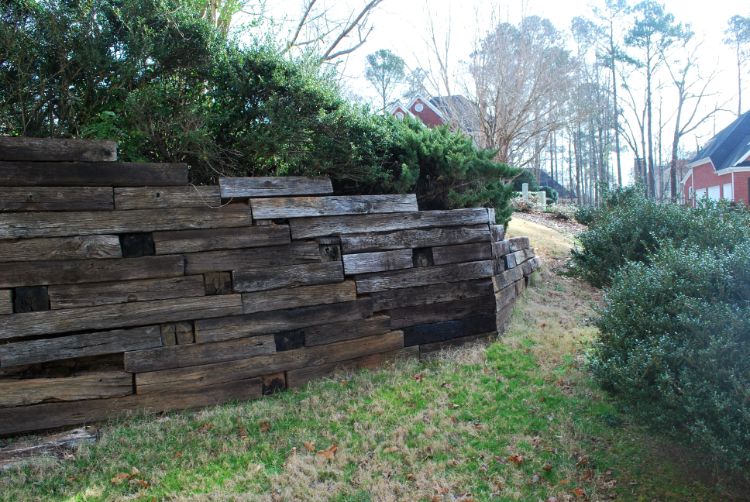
(721, 170)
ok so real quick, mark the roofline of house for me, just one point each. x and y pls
(729, 170)
(702, 161)
(688, 173)
(427, 102)
(741, 158)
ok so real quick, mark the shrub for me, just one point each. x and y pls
(552, 195)
(169, 87)
(630, 227)
(585, 215)
(675, 345)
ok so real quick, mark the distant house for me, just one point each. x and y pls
(721, 170)
(456, 111)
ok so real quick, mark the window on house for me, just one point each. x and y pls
(714, 193)
(727, 193)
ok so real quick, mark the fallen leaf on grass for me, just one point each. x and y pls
(578, 492)
(120, 478)
(516, 459)
(206, 427)
(329, 453)
(264, 425)
(418, 377)
(309, 446)
(547, 467)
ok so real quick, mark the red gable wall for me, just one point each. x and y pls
(704, 176)
(427, 115)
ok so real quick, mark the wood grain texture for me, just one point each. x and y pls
(213, 261)
(446, 330)
(345, 330)
(57, 149)
(189, 395)
(415, 238)
(56, 199)
(95, 385)
(442, 255)
(304, 296)
(518, 243)
(30, 299)
(287, 276)
(6, 301)
(226, 328)
(198, 353)
(61, 224)
(274, 186)
(88, 344)
(298, 378)
(81, 271)
(119, 315)
(435, 293)
(192, 241)
(61, 248)
(105, 293)
(272, 363)
(334, 225)
(507, 278)
(167, 197)
(362, 263)
(446, 311)
(107, 174)
(423, 276)
(300, 207)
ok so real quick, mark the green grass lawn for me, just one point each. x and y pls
(519, 419)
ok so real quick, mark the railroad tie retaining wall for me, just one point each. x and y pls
(122, 287)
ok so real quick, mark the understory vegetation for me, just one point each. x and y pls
(675, 322)
(520, 419)
(170, 87)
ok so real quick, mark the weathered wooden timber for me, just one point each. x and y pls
(72, 346)
(423, 276)
(103, 293)
(193, 241)
(304, 296)
(79, 271)
(273, 256)
(274, 186)
(434, 293)
(272, 363)
(91, 174)
(56, 199)
(362, 263)
(61, 224)
(198, 353)
(60, 248)
(301, 207)
(441, 331)
(93, 385)
(334, 225)
(6, 302)
(414, 238)
(442, 255)
(226, 328)
(167, 197)
(259, 279)
(446, 311)
(53, 415)
(57, 149)
(345, 330)
(119, 315)
(30, 299)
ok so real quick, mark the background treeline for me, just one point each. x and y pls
(166, 82)
(675, 324)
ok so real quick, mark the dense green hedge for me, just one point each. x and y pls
(169, 87)
(674, 340)
(675, 345)
(630, 227)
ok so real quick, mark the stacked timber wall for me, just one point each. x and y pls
(124, 288)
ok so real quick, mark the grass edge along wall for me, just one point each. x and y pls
(124, 288)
